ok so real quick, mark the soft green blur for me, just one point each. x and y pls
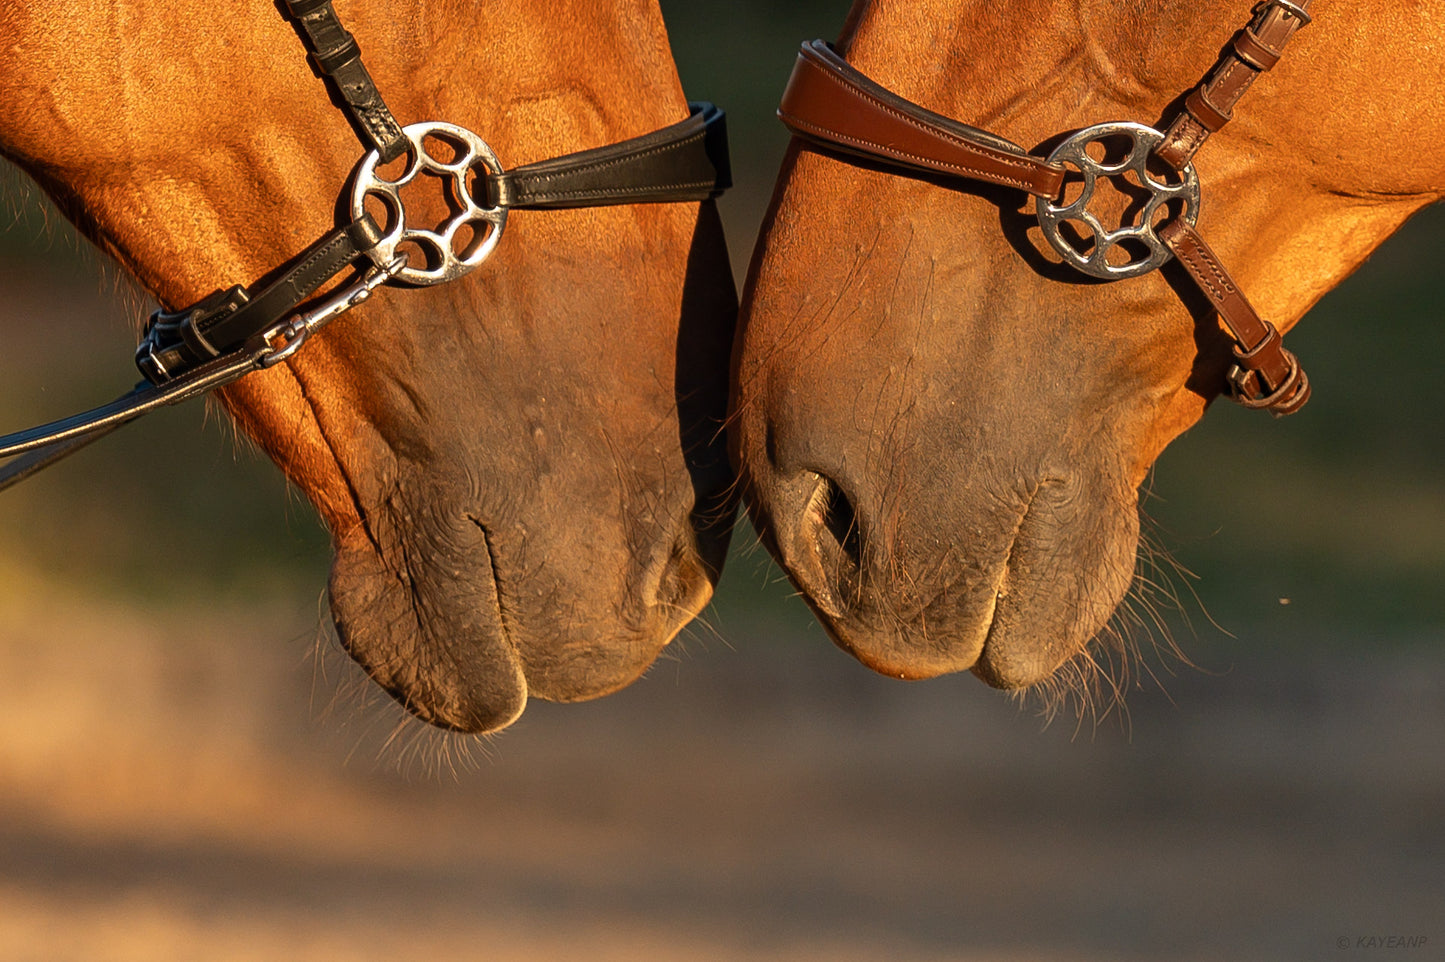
(1325, 527)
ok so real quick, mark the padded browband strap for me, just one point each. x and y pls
(687, 161)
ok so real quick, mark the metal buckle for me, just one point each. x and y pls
(443, 261)
(1094, 260)
(293, 332)
(168, 333)
(1242, 383)
(1290, 7)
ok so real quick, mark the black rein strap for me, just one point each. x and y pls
(232, 332)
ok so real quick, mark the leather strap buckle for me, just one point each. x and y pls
(173, 340)
(1249, 388)
(1290, 7)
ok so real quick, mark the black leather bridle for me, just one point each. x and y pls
(233, 332)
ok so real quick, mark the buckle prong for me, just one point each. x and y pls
(1292, 8)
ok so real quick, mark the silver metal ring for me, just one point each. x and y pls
(1098, 242)
(443, 262)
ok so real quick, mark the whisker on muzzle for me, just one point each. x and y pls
(376, 725)
(1138, 643)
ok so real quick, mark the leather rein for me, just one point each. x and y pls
(230, 333)
(831, 104)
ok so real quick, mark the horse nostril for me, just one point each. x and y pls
(832, 524)
(840, 521)
(681, 582)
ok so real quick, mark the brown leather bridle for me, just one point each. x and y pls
(830, 103)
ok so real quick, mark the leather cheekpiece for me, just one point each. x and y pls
(830, 103)
(335, 55)
(1254, 50)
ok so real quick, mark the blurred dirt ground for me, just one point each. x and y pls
(179, 785)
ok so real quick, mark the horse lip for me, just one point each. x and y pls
(1000, 584)
(491, 555)
(403, 614)
(968, 653)
(985, 667)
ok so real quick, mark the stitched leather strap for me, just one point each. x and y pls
(1210, 106)
(687, 161)
(336, 57)
(829, 102)
(48, 443)
(220, 323)
(1265, 375)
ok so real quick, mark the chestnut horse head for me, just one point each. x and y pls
(942, 427)
(520, 470)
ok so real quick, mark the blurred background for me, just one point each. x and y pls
(189, 769)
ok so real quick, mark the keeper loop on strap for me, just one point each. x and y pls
(1295, 10)
(327, 63)
(1254, 51)
(1205, 112)
(300, 8)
